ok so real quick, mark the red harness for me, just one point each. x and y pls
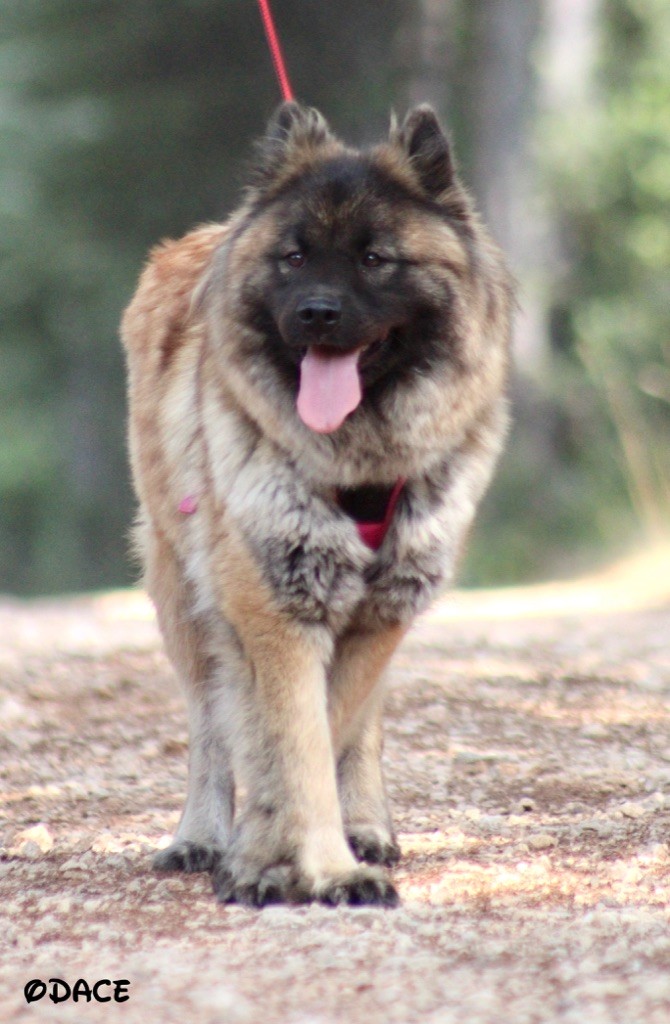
(372, 533)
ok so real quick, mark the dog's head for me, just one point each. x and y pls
(351, 266)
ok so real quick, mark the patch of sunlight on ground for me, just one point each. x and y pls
(639, 582)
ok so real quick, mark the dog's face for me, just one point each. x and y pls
(352, 266)
(337, 265)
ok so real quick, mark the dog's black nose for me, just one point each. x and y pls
(319, 314)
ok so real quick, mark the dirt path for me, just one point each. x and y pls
(528, 756)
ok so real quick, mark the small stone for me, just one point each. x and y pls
(632, 810)
(29, 850)
(473, 757)
(595, 731)
(32, 842)
(602, 828)
(542, 841)
(493, 823)
(575, 807)
(73, 864)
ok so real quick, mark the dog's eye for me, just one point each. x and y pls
(295, 259)
(372, 259)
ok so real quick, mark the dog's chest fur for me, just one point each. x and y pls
(323, 570)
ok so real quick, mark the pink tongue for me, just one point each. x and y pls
(330, 388)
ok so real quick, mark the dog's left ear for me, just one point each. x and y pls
(421, 138)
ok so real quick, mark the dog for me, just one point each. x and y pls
(317, 396)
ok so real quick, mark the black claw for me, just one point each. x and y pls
(187, 856)
(223, 885)
(273, 890)
(247, 895)
(272, 886)
(335, 896)
(269, 894)
(390, 897)
(374, 851)
(371, 893)
(361, 892)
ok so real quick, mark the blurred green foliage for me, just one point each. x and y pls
(124, 121)
(620, 221)
(587, 470)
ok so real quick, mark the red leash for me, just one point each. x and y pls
(275, 50)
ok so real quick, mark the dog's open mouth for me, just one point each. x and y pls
(330, 384)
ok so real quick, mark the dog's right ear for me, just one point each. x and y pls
(292, 131)
(292, 123)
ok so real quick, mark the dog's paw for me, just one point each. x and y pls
(185, 855)
(373, 845)
(281, 883)
(361, 887)
(270, 885)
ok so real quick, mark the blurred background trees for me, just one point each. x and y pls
(125, 121)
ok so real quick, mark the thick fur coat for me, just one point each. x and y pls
(343, 335)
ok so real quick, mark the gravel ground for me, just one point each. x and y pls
(529, 771)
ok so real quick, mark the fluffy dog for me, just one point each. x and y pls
(317, 403)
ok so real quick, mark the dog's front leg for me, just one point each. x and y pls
(288, 840)
(356, 694)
